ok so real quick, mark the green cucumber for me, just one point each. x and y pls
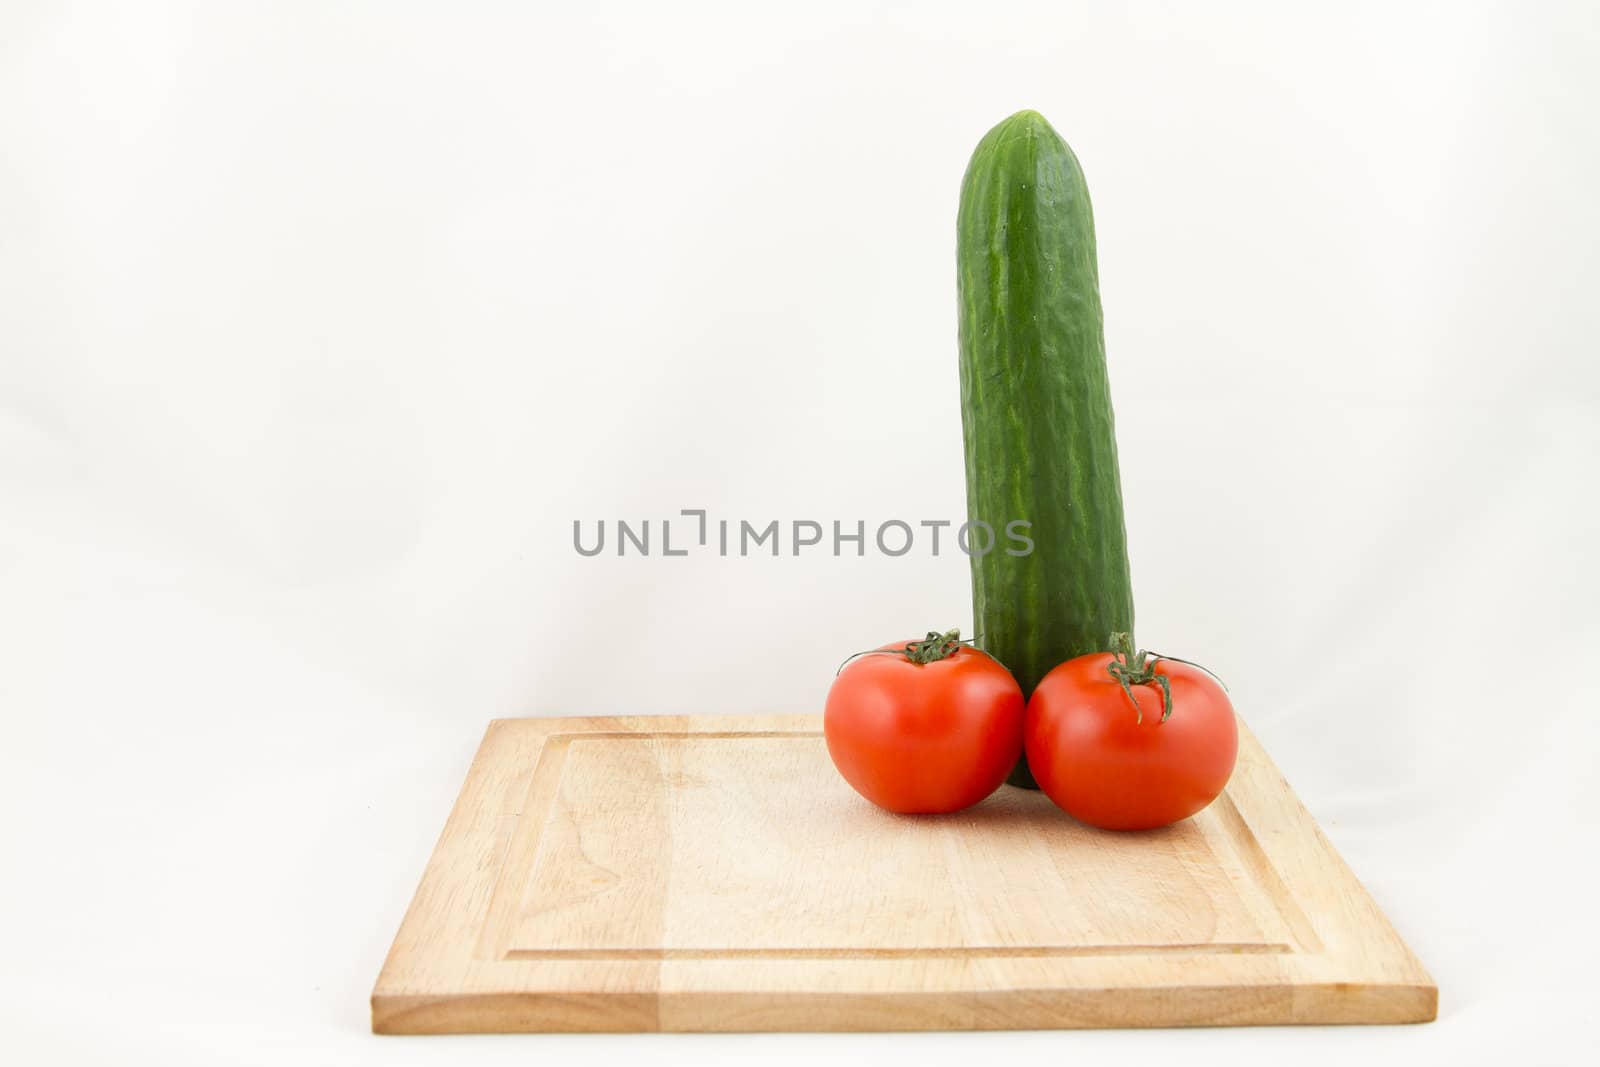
(1036, 407)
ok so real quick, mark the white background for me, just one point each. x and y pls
(319, 325)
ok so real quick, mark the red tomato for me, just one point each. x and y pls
(1111, 765)
(924, 737)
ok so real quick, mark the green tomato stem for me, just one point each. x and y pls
(931, 649)
(1132, 668)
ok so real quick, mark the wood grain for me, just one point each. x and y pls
(709, 873)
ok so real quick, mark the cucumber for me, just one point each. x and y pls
(1036, 407)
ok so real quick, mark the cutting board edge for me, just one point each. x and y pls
(1329, 1003)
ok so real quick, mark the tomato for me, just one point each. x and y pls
(1118, 767)
(932, 736)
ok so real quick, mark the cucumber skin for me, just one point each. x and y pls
(1040, 440)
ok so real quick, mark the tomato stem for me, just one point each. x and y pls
(934, 647)
(1132, 668)
(931, 649)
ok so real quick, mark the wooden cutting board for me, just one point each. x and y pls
(708, 873)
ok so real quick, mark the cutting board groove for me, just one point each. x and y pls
(705, 873)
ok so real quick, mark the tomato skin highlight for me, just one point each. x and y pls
(1108, 766)
(924, 738)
